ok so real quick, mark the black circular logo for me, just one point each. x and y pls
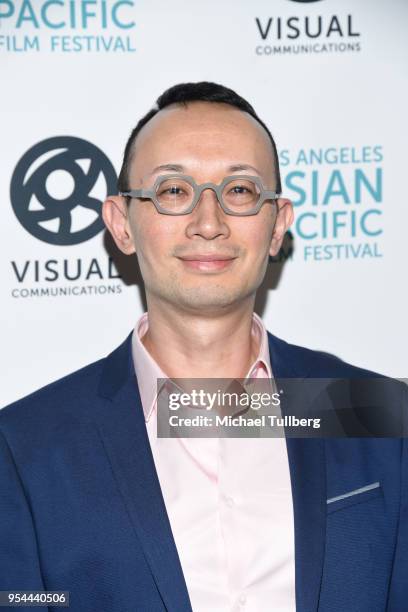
(57, 189)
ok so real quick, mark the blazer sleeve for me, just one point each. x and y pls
(19, 560)
(398, 594)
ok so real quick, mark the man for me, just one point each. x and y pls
(95, 503)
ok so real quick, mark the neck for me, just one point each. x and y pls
(193, 345)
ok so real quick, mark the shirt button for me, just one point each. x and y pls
(230, 502)
(242, 599)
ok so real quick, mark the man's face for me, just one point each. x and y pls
(207, 141)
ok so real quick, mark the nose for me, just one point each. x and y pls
(208, 220)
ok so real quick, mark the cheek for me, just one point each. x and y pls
(256, 235)
(154, 237)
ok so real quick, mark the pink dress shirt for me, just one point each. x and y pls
(229, 503)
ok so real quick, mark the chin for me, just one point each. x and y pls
(205, 300)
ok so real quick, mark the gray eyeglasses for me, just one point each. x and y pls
(178, 194)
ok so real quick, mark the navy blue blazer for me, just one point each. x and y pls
(81, 508)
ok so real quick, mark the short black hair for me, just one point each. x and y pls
(203, 91)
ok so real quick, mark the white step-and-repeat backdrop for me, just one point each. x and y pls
(329, 77)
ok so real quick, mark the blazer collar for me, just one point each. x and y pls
(121, 424)
(122, 427)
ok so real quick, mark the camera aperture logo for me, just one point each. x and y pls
(53, 181)
(57, 189)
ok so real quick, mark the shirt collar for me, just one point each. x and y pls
(263, 359)
(148, 371)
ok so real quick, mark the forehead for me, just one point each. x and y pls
(199, 135)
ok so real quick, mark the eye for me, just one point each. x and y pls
(172, 190)
(240, 189)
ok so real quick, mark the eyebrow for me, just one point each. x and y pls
(171, 167)
(180, 168)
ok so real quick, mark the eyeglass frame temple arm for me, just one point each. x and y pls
(138, 193)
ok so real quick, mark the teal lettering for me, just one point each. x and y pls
(299, 226)
(115, 18)
(355, 251)
(119, 46)
(315, 188)
(85, 14)
(27, 8)
(10, 9)
(375, 191)
(302, 158)
(104, 15)
(336, 187)
(363, 224)
(336, 223)
(72, 14)
(44, 10)
(289, 181)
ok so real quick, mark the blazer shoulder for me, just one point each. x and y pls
(59, 398)
(315, 363)
(364, 387)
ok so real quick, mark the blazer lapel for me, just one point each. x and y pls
(307, 464)
(121, 424)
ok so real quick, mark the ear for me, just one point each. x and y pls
(116, 217)
(284, 220)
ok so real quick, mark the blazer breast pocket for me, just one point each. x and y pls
(361, 495)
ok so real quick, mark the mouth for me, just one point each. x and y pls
(207, 263)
